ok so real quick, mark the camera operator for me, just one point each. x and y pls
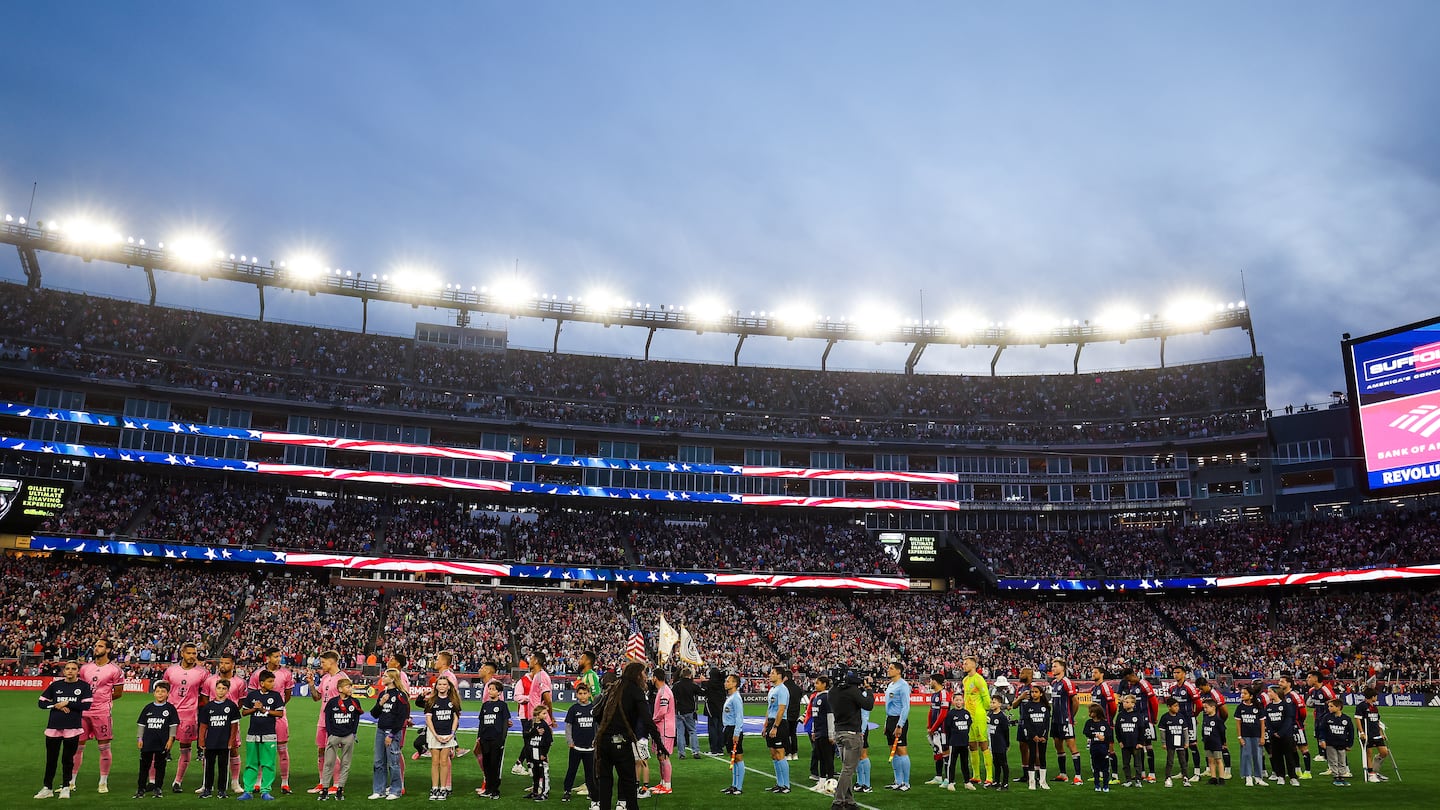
(847, 718)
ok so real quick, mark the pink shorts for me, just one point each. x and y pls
(62, 733)
(189, 730)
(98, 727)
(321, 737)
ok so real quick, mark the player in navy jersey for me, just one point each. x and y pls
(1291, 692)
(940, 700)
(1372, 735)
(1318, 694)
(1148, 704)
(1103, 695)
(1189, 698)
(1065, 703)
(822, 736)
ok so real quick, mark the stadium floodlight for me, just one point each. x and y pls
(707, 310)
(602, 301)
(192, 250)
(414, 279)
(964, 323)
(87, 232)
(512, 291)
(1119, 319)
(795, 316)
(1188, 311)
(1033, 323)
(304, 266)
(875, 320)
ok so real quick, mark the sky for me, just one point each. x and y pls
(986, 160)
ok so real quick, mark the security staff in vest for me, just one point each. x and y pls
(847, 718)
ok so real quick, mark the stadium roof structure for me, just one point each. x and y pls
(90, 243)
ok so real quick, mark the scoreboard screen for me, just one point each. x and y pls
(1394, 380)
(26, 503)
(917, 552)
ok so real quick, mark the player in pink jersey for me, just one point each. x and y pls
(285, 685)
(522, 697)
(186, 679)
(663, 719)
(107, 683)
(321, 692)
(237, 693)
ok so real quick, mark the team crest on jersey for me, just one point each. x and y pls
(10, 489)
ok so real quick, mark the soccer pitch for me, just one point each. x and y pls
(1413, 734)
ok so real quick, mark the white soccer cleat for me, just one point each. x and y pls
(65, 792)
(45, 793)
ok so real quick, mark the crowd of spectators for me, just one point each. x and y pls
(562, 627)
(816, 632)
(102, 507)
(575, 537)
(1229, 548)
(933, 633)
(1394, 536)
(445, 530)
(208, 512)
(343, 524)
(471, 624)
(1022, 553)
(791, 543)
(37, 596)
(115, 339)
(150, 611)
(1353, 635)
(722, 631)
(302, 616)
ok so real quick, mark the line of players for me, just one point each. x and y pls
(970, 733)
(189, 687)
(1131, 714)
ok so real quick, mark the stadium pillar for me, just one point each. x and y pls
(915, 357)
(1250, 330)
(1076, 364)
(1162, 351)
(996, 358)
(555, 341)
(150, 279)
(30, 263)
(825, 358)
(261, 288)
(364, 315)
(648, 339)
(738, 344)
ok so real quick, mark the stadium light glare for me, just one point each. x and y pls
(191, 250)
(87, 232)
(415, 279)
(1188, 311)
(795, 316)
(708, 310)
(876, 320)
(304, 266)
(1119, 319)
(602, 300)
(513, 292)
(1032, 323)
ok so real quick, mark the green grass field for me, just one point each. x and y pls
(1415, 735)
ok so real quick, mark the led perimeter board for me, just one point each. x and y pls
(1394, 380)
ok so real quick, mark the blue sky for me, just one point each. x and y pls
(1003, 158)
